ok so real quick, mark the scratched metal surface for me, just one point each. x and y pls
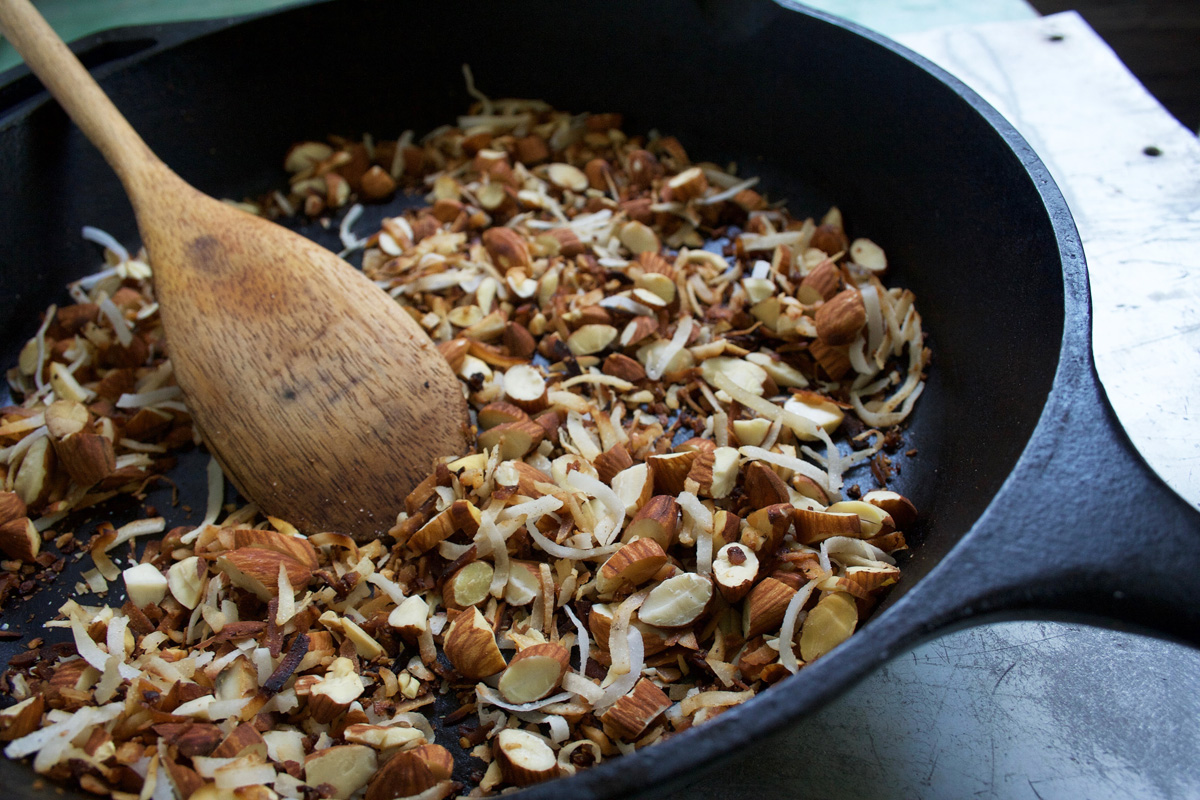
(1012, 710)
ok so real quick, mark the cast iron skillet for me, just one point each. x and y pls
(1034, 501)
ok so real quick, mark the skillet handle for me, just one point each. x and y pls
(1082, 529)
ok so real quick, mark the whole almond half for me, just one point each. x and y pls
(841, 318)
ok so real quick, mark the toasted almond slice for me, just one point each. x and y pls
(468, 586)
(566, 176)
(344, 767)
(534, 672)
(869, 256)
(813, 406)
(744, 373)
(589, 339)
(524, 757)
(638, 238)
(382, 737)
(523, 583)
(333, 694)
(677, 601)
(186, 580)
(873, 520)
(827, 625)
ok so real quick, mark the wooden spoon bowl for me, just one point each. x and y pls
(319, 395)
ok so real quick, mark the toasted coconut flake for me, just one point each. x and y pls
(488, 695)
(787, 633)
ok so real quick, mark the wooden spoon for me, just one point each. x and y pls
(318, 394)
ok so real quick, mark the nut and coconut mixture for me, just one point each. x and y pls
(654, 527)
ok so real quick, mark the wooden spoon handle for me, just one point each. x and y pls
(78, 93)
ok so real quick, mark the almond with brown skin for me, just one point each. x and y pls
(377, 184)
(612, 461)
(817, 526)
(333, 694)
(256, 570)
(772, 524)
(734, 570)
(658, 519)
(632, 565)
(411, 772)
(830, 238)
(834, 360)
(519, 340)
(506, 247)
(11, 506)
(462, 515)
(454, 351)
(633, 714)
(569, 244)
(242, 739)
(21, 719)
(622, 366)
(19, 539)
(470, 645)
(840, 319)
(500, 413)
(764, 607)
(685, 186)
(763, 486)
(524, 757)
(88, 457)
(670, 470)
(820, 284)
(515, 439)
(901, 509)
(294, 547)
(598, 172)
(530, 150)
(600, 620)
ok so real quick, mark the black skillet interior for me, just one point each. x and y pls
(824, 113)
